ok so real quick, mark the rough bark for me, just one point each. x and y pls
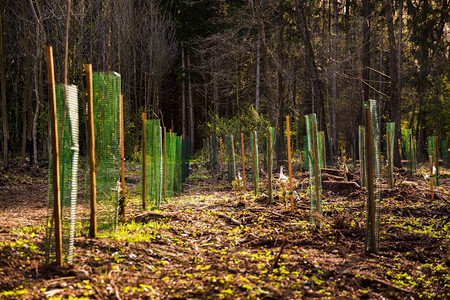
(366, 50)
(333, 117)
(279, 120)
(312, 71)
(191, 112)
(268, 91)
(394, 85)
(183, 94)
(3, 95)
(258, 71)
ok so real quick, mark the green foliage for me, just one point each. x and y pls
(248, 121)
(445, 105)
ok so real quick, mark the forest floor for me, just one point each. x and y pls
(216, 242)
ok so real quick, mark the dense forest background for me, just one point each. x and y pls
(230, 66)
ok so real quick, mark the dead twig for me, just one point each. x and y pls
(229, 219)
(61, 278)
(275, 264)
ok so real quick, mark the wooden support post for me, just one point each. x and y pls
(243, 160)
(316, 169)
(390, 167)
(204, 150)
(208, 153)
(345, 167)
(370, 181)
(234, 160)
(255, 169)
(431, 178)
(324, 150)
(410, 154)
(122, 164)
(436, 160)
(165, 166)
(91, 139)
(144, 154)
(55, 156)
(363, 165)
(269, 164)
(220, 146)
(291, 187)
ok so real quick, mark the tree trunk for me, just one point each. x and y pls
(333, 118)
(312, 71)
(394, 87)
(191, 111)
(279, 122)
(27, 96)
(258, 71)
(268, 91)
(399, 56)
(380, 66)
(365, 51)
(183, 94)
(216, 91)
(3, 95)
(36, 112)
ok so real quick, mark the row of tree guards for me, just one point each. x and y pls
(315, 158)
(165, 161)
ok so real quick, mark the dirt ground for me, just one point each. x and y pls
(216, 242)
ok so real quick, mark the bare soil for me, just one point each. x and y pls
(216, 242)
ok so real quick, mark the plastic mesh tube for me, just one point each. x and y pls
(68, 174)
(315, 179)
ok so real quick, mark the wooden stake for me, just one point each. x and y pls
(390, 167)
(410, 154)
(436, 160)
(324, 151)
(431, 178)
(208, 152)
(362, 165)
(370, 181)
(345, 169)
(255, 170)
(269, 165)
(55, 156)
(291, 188)
(122, 163)
(204, 149)
(234, 160)
(144, 154)
(316, 170)
(165, 166)
(221, 154)
(92, 167)
(243, 161)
